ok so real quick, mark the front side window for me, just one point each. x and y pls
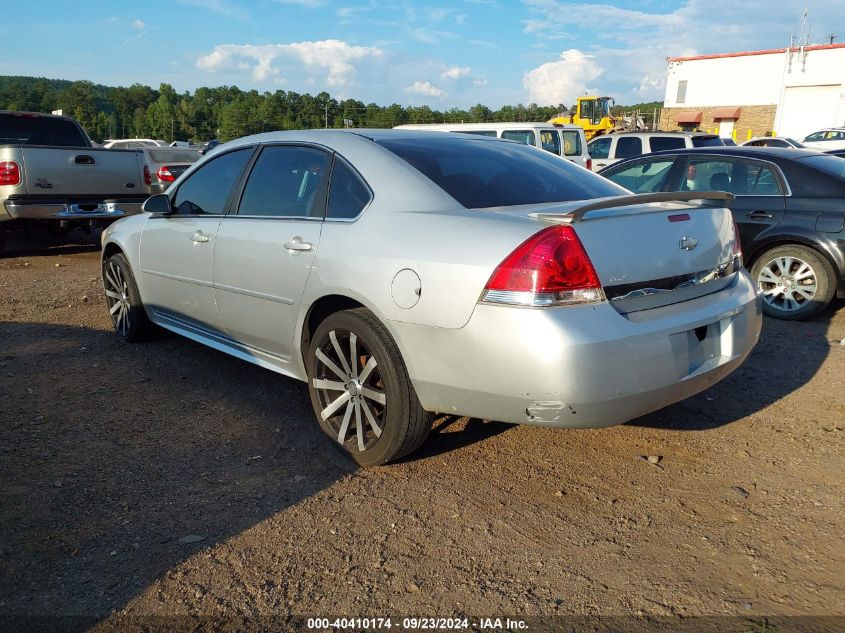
(347, 195)
(600, 148)
(526, 137)
(287, 181)
(550, 141)
(207, 190)
(571, 143)
(480, 174)
(628, 146)
(645, 177)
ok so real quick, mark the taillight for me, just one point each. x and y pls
(737, 247)
(164, 174)
(590, 164)
(550, 268)
(10, 173)
(147, 178)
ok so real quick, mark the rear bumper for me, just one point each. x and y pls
(36, 210)
(580, 366)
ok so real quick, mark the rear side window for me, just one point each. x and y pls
(644, 177)
(347, 195)
(481, 174)
(39, 130)
(707, 141)
(550, 141)
(522, 136)
(491, 133)
(571, 143)
(207, 190)
(628, 146)
(740, 177)
(660, 143)
(288, 182)
(600, 148)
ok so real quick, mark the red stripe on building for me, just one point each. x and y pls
(771, 51)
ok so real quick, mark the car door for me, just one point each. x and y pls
(758, 187)
(264, 252)
(177, 251)
(599, 149)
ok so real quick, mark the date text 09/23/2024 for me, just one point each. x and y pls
(415, 623)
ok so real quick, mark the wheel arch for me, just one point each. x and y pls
(775, 241)
(317, 312)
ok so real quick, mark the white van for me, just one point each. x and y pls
(567, 141)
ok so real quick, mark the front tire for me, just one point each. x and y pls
(123, 300)
(794, 281)
(360, 390)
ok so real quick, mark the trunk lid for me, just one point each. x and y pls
(99, 173)
(650, 254)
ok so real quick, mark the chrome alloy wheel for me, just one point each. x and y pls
(787, 283)
(117, 296)
(348, 376)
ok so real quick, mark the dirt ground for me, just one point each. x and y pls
(167, 478)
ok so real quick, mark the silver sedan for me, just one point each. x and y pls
(401, 273)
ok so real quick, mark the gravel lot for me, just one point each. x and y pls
(167, 478)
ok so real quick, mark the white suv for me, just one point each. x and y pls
(610, 148)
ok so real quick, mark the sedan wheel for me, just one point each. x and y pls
(360, 390)
(793, 281)
(123, 300)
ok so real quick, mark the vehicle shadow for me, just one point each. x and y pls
(39, 242)
(450, 433)
(787, 357)
(120, 461)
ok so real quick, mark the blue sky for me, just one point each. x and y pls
(443, 54)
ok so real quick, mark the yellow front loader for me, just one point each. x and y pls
(592, 114)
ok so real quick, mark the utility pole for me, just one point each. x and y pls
(327, 115)
(171, 130)
(832, 37)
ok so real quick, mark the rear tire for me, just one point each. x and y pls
(360, 390)
(123, 300)
(795, 282)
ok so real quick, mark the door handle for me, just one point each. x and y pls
(199, 236)
(297, 245)
(759, 215)
(83, 159)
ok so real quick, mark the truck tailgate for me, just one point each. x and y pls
(99, 173)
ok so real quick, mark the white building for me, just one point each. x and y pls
(787, 91)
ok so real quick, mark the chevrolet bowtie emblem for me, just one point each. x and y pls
(688, 243)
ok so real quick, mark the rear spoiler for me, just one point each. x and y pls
(577, 214)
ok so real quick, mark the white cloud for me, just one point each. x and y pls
(454, 72)
(133, 38)
(138, 24)
(335, 58)
(479, 82)
(426, 89)
(563, 80)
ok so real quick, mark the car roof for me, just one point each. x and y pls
(656, 132)
(792, 153)
(374, 134)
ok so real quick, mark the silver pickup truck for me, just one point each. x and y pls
(51, 174)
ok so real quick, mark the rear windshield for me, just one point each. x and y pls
(39, 130)
(707, 141)
(481, 174)
(832, 165)
(174, 155)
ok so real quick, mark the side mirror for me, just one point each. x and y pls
(158, 204)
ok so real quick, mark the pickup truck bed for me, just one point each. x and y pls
(70, 182)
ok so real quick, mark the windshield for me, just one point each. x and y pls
(481, 174)
(832, 165)
(18, 129)
(174, 155)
